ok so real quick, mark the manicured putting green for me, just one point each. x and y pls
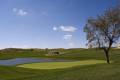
(57, 65)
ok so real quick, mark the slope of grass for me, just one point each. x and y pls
(79, 54)
(18, 54)
(88, 72)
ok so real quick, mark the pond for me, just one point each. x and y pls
(17, 61)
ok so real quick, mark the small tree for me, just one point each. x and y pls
(46, 50)
(104, 30)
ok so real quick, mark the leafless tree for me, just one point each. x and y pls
(104, 30)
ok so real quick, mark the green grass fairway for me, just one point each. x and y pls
(57, 65)
(88, 64)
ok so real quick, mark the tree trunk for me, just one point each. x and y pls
(106, 50)
(107, 57)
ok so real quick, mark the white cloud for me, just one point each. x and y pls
(71, 44)
(55, 28)
(65, 28)
(68, 28)
(14, 9)
(67, 37)
(20, 12)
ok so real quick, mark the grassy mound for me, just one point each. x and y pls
(57, 65)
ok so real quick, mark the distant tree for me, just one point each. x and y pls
(46, 49)
(31, 49)
(104, 30)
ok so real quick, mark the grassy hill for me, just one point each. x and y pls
(86, 72)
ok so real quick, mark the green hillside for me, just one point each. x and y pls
(102, 71)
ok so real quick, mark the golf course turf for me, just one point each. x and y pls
(88, 64)
(59, 65)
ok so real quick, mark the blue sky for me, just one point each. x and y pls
(47, 23)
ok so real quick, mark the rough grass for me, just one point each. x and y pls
(59, 65)
(88, 72)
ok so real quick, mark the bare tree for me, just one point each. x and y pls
(104, 30)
